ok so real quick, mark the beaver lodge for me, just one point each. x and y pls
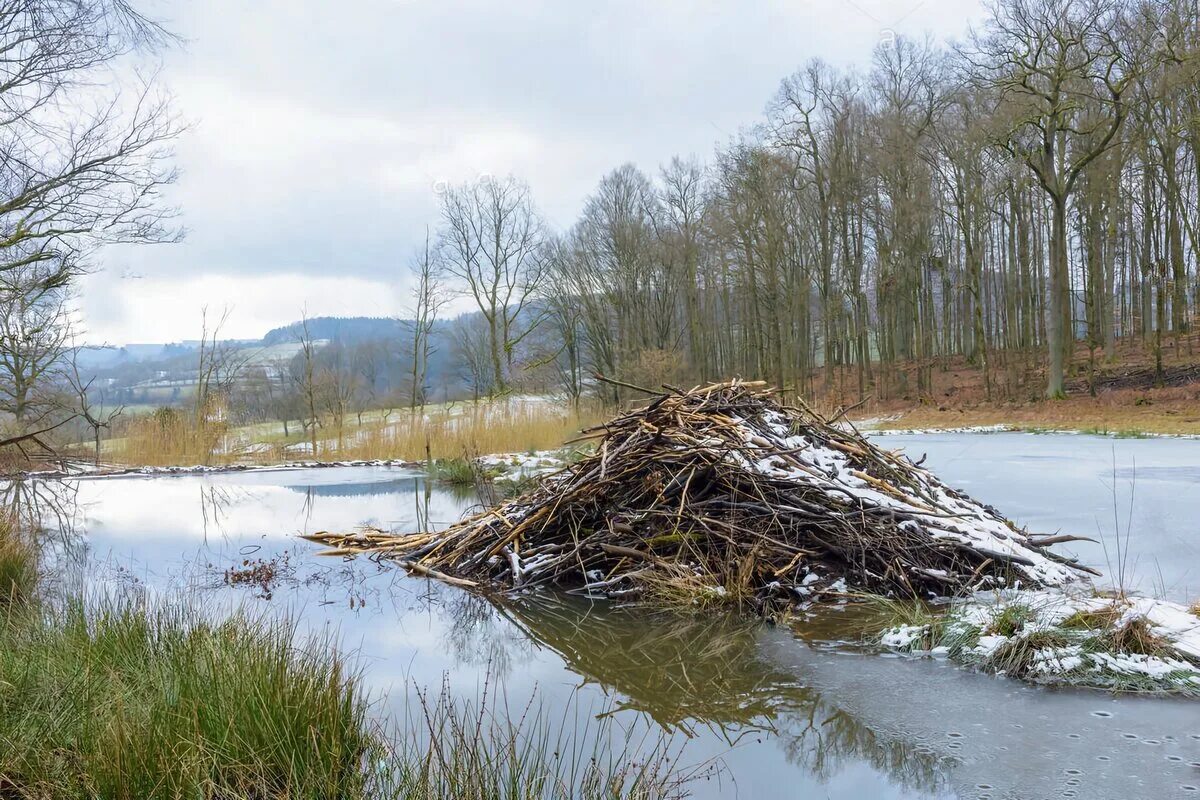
(722, 490)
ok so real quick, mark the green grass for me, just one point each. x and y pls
(115, 700)
(879, 614)
(461, 749)
(18, 564)
(118, 701)
(1009, 619)
(455, 471)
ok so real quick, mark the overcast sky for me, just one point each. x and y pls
(322, 130)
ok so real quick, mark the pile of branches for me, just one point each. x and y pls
(722, 489)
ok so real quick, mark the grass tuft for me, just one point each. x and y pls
(1009, 619)
(457, 748)
(456, 471)
(881, 614)
(1135, 636)
(1016, 656)
(121, 702)
(18, 564)
(1101, 619)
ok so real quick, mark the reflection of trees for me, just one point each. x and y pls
(689, 669)
(216, 499)
(474, 637)
(50, 513)
(43, 505)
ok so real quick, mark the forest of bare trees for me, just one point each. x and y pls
(1008, 200)
(1024, 203)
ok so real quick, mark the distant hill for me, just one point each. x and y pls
(346, 330)
(111, 356)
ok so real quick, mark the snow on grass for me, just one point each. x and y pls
(516, 467)
(1002, 428)
(1126, 643)
(87, 471)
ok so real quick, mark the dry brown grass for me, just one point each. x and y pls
(1135, 636)
(1195, 609)
(1100, 619)
(1123, 412)
(169, 436)
(178, 438)
(469, 431)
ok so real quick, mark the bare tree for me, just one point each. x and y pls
(1059, 76)
(88, 402)
(473, 355)
(80, 165)
(304, 375)
(429, 298)
(489, 241)
(34, 331)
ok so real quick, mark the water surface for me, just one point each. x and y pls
(782, 717)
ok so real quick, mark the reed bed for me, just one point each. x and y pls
(18, 564)
(169, 438)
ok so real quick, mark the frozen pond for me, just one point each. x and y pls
(1072, 484)
(786, 719)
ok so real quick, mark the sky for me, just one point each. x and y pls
(322, 132)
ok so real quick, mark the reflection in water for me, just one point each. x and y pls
(788, 719)
(686, 670)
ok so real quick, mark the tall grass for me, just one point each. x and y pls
(18, 563)
(116, 700)
(167, 438)
(119, 701)
(463, 749)
(448, 433)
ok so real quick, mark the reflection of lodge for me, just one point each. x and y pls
(690, 669)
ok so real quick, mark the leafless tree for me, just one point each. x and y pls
(429, 297)
(83, 152)
(34, 332)
(489, 241)
(305, 377)
(1060, 78)
(87, 401)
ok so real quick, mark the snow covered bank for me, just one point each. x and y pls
(1076, 638)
